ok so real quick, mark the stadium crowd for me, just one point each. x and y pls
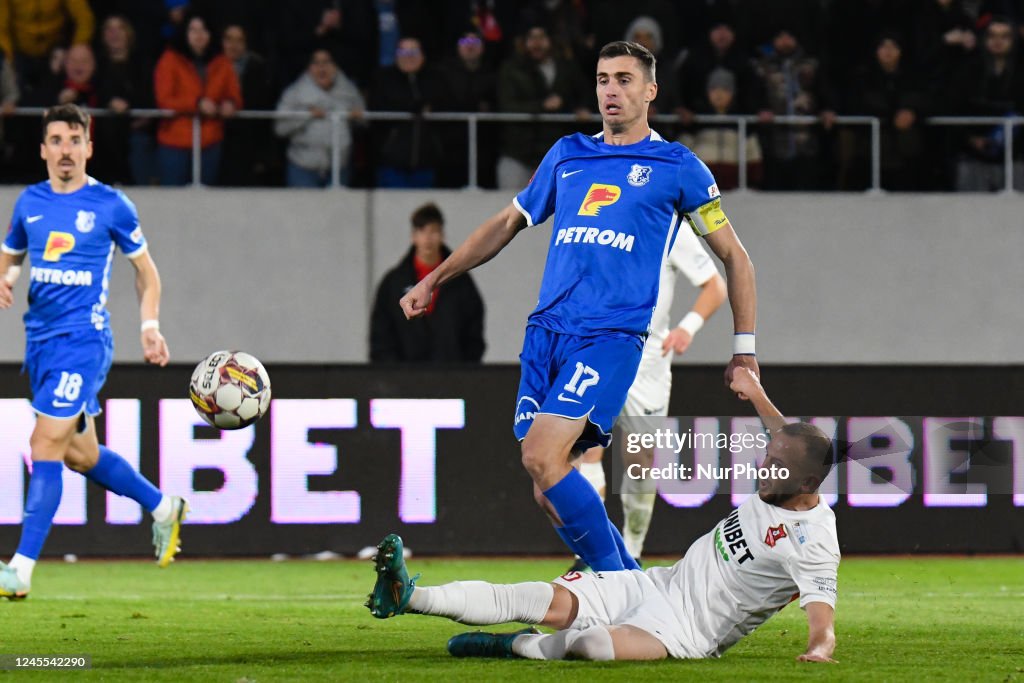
(899, 60)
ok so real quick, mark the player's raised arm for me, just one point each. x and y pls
(480, 247)
(739, 275)
(147, 284)
(821, 636)
(747, 385)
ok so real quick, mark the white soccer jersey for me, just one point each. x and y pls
(653, 382)
(751, 565)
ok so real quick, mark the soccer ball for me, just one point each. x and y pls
(230, 389)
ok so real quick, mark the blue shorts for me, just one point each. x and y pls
(574, 377)
(67, 372)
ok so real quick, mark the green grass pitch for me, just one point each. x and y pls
(919, 619)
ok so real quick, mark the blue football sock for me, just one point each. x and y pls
(567, 540)
(628, 561)
(586, 522)
(44, 490)
(113, 473)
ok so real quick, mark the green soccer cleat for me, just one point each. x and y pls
(393, 589)
(480, 644)
(167, 535)
(11, 587)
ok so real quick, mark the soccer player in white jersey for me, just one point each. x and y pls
(69, 226)
(779, 546)
(649, 395)
(616, 198)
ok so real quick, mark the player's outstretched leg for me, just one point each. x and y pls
(468, 602)
(638, 497)
(45, 488)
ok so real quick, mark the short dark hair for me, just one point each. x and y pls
(71, 114)
(427, 214)
(625, 48)
(817, 448)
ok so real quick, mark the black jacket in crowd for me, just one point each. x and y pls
(453, 333)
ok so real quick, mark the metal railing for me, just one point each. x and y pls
(472, 120)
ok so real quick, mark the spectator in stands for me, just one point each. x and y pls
(453, 328)
(248, 155)
(536, 82)
(794, 84)
(30, 30)
(321, 90)
(472, 83)
(720, 50)
(73, 84)
(192, 79)
(943, 41)
(718, 145)
(992, 85)
(124, 82)
(347, 29)
(408, 151)
(896, 96)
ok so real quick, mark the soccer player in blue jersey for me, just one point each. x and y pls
(617, 198)
(69, 226)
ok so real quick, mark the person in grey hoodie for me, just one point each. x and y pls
(321, 90)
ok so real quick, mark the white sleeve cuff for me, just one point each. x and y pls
(526, 214)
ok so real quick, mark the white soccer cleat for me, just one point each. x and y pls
(167, 535)
(11, 586)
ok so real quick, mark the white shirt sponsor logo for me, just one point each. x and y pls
(566, 174)
(585, 235)
(55, 276)
(33, 219)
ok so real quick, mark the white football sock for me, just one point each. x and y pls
(479, 602)
(593, 472)
(594, 644)
(638, 496)
(163, 511)
(23, 567)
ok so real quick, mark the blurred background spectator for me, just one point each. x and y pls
(718, 145)
(192, 78)
(991, 84)
(321, 90)
(452, 329)
(534, 82)
(124, 82)
(408, 152)
(248, 157)
(898, 98)
(719, 49)
(30, 30)
(472, 84)
(794, 84)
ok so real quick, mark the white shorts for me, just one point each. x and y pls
(629, 598)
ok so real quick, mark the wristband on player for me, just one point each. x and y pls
(11, 276)
(743, 344)
(150, 325)
(692, 322)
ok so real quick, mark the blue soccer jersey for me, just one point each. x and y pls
(616, 211)
(70, 240)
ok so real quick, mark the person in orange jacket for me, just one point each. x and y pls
(191, 79)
